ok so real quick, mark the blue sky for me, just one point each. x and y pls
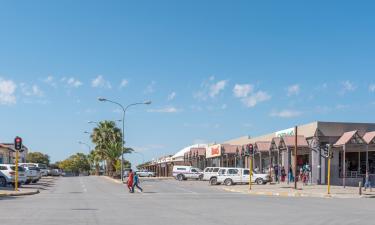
(215, 70)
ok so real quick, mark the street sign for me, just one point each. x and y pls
(18, 143)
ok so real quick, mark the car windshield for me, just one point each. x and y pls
(42, 166)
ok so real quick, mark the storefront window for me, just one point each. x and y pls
(371, 161)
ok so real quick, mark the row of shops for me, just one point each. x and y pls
(353, 153)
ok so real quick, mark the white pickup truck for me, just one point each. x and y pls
(230, 176)
(187, 172)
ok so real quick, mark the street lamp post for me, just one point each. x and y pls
(83, 143)
(123, 126)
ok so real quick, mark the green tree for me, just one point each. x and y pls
(94, 158)
(38, 157)
(77, 164)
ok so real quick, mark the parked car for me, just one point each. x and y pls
(145, 173)
(187, 172)
(32, 174)
(56, 172)
(43, 168)
(8, 175)
(231, 176)
(210, 172)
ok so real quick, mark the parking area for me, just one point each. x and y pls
(46, 183)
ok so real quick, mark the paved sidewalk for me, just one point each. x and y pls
(285, 190)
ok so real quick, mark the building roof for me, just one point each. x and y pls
(230, 149)
(351, 136)
(263, 146)
(290, 141)
(369, 137)
(181, 153)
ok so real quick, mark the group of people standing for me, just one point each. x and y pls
(133, 181)
(281, 175)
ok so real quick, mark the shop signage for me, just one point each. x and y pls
(283, 133)
(213, 151)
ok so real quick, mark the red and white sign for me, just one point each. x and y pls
(213, 151)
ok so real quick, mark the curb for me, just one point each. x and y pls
(297, 194)
(19, 194)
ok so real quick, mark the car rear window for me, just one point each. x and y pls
(21, 169)
(246, 172)
(3, 168)
(216, 170)
(181, 169)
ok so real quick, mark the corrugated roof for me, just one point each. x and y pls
(290, 141)
(369, 137)
(263, 146)
(230, 149)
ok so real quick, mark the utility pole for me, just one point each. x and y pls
(295, 156)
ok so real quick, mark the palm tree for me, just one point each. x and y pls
(94, 158)
(108, 140)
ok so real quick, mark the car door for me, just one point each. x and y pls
(194, 173)
(245, 176)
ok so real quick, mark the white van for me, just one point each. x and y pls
(210, 172)
(187, 172)
(42, 167)
(231, 176)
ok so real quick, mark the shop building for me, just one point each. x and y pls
(8, 154)
(353, 151)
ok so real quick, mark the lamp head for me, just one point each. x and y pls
(147, 102)
(102, 99)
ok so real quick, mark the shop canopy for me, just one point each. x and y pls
(369, 138)
(351, 137)
(289, 141)
(230, 149)
(263, 146)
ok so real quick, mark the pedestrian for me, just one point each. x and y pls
(136, 183)
(276, 169)
(291, 178)
(283, 174)
(130, 181)
(367, 181)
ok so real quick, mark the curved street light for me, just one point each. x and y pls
(83, 143)
(124, 109)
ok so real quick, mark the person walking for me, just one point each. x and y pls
(130, 181)
(136, 183)
(283, 174)
(367, 181)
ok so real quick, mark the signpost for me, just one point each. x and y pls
(18, 148)
(329, 152)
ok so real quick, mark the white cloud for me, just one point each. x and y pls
(124, 83)
(73, 82)
(150, 88)
(216, 88)
(255, 98)
(293, 90)
(172, 96)
(286, 114)
(7, 92)
(371, 88)
(242, 90)
(33, 90)
(100, 82)
(347, 86)
(168, 109)
(210, 89)
(50, 80)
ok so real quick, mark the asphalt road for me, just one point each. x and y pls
(96, 200)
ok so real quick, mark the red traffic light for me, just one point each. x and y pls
(18, 143)
(18, 140)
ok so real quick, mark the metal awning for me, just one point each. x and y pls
(369, 138)
(263, 146)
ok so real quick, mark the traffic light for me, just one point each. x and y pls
(326, 151)
(18, 143)
(251, 149)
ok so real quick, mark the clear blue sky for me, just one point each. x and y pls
(215, 70)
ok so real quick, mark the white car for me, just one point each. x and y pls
(187, 172)
(210, 172)
(32, 174)
(8, 175)
(42, 167)
(231, 176)
(145, 173)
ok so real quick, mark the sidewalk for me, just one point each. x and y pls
(285, 190)
(118, 181)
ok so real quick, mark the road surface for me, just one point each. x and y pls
(97, 200)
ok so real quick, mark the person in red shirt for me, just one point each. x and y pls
(130, 181)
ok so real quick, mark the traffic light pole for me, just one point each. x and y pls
(250, 171)
(16, 169)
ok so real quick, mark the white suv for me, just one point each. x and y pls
(32, 174)
(210, 172)
(8, 174)
(231, 176)
(187, 172)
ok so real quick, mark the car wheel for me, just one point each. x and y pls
(150, 175)
(3, 182)
(34, 181)
(213, 181)
(180, 177)
(228, 182)
(28, 182)
(260, 181)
